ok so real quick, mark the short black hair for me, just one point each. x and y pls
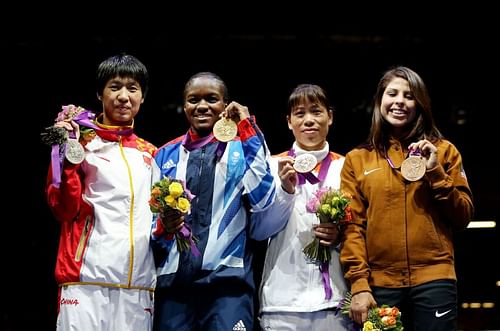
(123, 66)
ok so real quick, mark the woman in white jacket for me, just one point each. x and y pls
(293, 291)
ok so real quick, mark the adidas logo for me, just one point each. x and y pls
(240, 326)
(169, 164)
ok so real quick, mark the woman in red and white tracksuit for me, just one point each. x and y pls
(105, 269)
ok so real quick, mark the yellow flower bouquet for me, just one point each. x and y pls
(171, 195)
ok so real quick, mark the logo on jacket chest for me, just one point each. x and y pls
(235, 158)
(169, 164)
(369, 171)
(147, 159)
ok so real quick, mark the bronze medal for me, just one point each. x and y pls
(413, 168)
(305, 163)
(225, 129)
(74, 151)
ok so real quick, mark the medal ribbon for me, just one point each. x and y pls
(84, 118)
(415, 153)
(191, 144)
(390, 161)
(87, 119)
(309, 176)
(408, 174)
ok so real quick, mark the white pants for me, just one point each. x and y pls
(323, 320)
(97, 308)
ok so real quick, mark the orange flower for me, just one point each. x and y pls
(381, 318)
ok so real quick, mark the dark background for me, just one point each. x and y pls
(51, 61)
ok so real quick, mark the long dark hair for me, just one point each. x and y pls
(423, 125)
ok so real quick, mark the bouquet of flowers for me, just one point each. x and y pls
(53, 135)
(171, 194)
(330, 205)
(379, 318)
(59, 138)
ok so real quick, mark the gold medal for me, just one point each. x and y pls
(74, 151)
(305, 163)
(413, 168)
(225, 129)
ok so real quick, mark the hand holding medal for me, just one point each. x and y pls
(64, 136)
(66, 133)
(413, 167)
(423, 156)
(305, 163)
(57, 134)
(226, 128)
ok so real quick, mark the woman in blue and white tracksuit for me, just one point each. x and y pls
(230, 181)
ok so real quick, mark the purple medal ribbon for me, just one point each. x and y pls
(309, 176)
(56, 160)
(191, 145)
(415, 152)
(85, 118)
(390, 162)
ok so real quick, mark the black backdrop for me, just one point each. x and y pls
(50, 66)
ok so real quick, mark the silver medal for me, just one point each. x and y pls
(305, 163)
(74, 151)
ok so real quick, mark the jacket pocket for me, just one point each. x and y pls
(83, 239)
